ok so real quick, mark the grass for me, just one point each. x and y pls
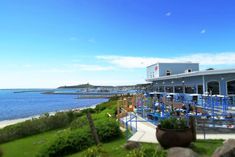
(28, 146)
(206, 147)
(31, 145)
(114, 149)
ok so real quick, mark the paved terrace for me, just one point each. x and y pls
(146, 131)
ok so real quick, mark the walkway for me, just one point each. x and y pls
(146, 132)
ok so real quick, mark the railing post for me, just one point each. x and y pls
(136, 122)
(204, 132)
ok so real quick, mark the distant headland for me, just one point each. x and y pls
(123, 87)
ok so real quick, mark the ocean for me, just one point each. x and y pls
(15, 104)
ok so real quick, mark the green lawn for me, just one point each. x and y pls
(27, 147)
(206, 147)
(114, 149)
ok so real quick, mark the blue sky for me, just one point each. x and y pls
(48, 43)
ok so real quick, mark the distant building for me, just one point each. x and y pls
(187, 78)
(166, 69)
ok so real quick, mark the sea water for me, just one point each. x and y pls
(16, 104)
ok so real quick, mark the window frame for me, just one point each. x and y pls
(227, 87)
(207, 89)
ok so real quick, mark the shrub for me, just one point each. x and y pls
(36, 125)
(69, 142)
(91, 110)
(79, 122)
(107, 129)
(157, 152)
(82, 121)
(100, 107)
(105, 105)
(80, 139)
(95, 151)
(173, 123)
(147, 152)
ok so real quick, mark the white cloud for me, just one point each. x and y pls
(203, 31)
(224, 58)
(90, 67)
(205, 59)
(168, 14)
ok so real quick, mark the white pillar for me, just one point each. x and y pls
(203, 84)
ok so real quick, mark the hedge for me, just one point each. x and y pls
(36, 125)
(67, 143)
(59, 120)
(107, 130)
(76, 140)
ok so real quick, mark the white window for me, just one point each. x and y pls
(168, 73)
(188, 70)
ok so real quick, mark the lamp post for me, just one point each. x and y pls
(163, 86)
(183, 96)
(157, 89)
(183, 86)
(173, 90)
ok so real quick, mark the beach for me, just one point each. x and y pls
(14, 121)
(5, 123)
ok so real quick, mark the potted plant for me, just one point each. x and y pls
(174, 132)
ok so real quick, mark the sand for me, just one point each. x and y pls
(13, 121)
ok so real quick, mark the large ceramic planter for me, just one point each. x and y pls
(174, 137)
